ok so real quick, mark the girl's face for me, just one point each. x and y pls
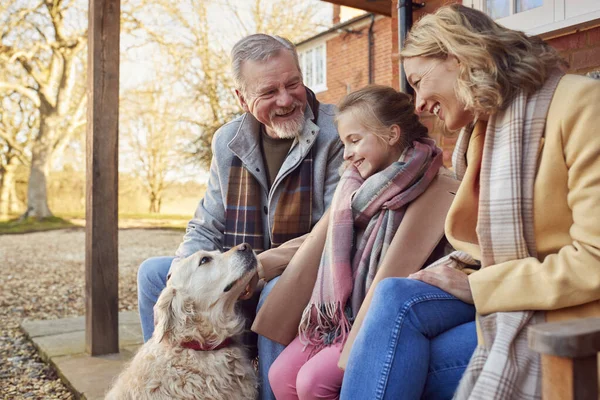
(433, 80)
(365, 150)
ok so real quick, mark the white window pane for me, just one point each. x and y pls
(319, 65)
(308, 70)
(524, 5)
(301, 62)
(498, 8)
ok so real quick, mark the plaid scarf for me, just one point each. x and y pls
(376, 205)
(244, 207)
(504, 367)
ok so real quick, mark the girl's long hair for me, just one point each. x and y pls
(379, 107)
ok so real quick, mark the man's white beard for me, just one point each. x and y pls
(289, 129)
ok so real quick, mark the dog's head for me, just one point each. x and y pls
(199, 300)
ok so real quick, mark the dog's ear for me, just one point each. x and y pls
(164, 314)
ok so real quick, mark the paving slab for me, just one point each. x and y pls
(54, 326)
(61, 342)
(90, 376)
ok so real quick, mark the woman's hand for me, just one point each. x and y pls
(448, 279)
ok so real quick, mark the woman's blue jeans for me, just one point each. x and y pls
(415, 343)
(152, 279)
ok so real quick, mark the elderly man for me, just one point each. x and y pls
(272, 176)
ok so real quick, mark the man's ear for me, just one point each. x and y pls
(395, 135)
(242, 101)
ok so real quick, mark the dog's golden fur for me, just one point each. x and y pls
(197, 304)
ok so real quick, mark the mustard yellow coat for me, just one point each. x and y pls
(565, 277)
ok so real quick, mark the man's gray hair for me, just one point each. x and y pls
(258, 47)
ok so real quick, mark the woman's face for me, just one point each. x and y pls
(433, 80)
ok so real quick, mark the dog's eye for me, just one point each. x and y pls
(204, 260)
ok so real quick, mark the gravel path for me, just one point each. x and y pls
(42, 277)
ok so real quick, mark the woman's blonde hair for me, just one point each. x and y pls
(495, 63)
(379, 107)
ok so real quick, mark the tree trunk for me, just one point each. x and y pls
(15, 204)
(154, 204)
(7, 188)
(3, 196)
(37, 196)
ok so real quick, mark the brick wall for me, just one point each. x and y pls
(348, 60)
(581, 49)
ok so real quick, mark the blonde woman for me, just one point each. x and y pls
(527, 213)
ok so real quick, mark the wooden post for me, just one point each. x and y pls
(101, 257)
(569, 358)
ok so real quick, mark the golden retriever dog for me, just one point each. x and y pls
(193, 353)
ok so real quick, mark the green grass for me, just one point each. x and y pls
(62, 221)
(33, 225)
(135, 216)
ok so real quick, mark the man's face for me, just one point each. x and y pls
(275, 94)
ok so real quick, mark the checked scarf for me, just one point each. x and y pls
(503, 367)
(377, 206)
(244, 207)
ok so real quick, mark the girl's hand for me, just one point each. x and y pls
(250, 288)
(448, 279)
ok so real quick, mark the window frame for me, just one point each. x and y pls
(313, 49)
(551, 18)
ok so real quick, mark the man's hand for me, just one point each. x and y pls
(448, 279)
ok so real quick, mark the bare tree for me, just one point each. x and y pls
(200, 70)
(153, 138)
(18, 122)
(295, 20)
(46, 55)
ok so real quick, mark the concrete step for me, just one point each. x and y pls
(61, 342)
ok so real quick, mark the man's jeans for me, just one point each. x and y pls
(152, 278)
(415, 343)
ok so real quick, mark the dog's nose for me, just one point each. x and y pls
(244, 247)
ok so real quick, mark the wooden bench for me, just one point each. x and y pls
(569, 352)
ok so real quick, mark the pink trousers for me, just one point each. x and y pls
(294, 376)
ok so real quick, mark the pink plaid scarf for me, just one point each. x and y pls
(376, 205)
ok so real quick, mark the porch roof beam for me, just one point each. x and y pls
(383, 7)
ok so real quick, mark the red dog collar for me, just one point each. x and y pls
(195, 345)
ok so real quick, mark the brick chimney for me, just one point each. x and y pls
(337, 12)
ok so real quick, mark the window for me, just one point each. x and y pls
(539, 16)
(313, 63)
(503, 8)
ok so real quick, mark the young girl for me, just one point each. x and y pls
(390, 161)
